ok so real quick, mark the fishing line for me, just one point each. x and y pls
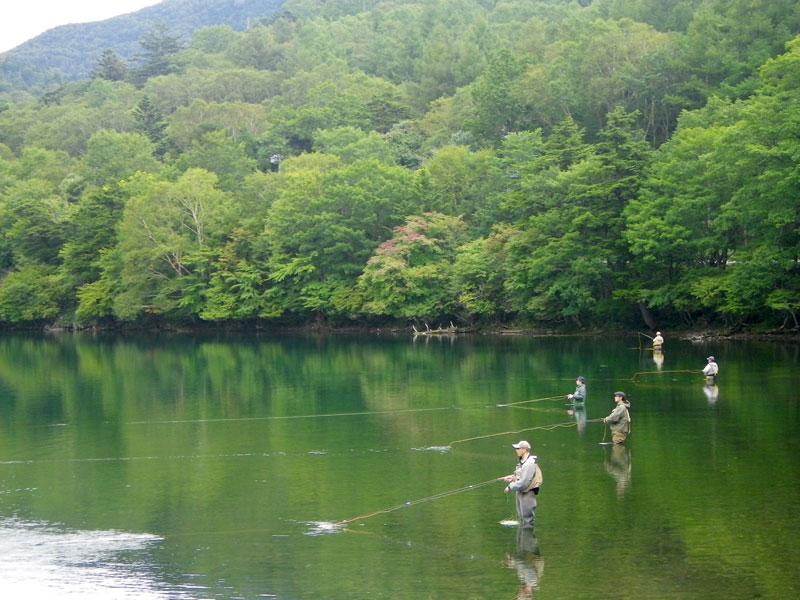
(529, 401)
(635, 375)
(410, 503)
(540, 409)
(287, 417)
(604, 442)
(543, 427)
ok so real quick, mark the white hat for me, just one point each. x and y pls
(521, 444)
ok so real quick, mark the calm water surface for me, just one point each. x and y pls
(186, 467)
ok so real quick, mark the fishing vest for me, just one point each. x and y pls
(536, 482)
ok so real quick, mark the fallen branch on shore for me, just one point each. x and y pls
(451, 330)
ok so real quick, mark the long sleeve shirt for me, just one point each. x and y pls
(620, 418)
(523, 474)
(711, 368)
(580, 393)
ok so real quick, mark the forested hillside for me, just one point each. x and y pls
(529, 161)
(71, 52)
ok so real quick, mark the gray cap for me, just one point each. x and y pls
(620, 394)
(521, 444)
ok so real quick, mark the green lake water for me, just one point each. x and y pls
(219, 467)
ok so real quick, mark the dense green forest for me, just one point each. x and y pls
(525, 161)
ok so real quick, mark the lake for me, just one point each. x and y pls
(344, 467)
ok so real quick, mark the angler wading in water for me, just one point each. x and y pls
(711, 370)
(579, 395)
(525, 481)
(619, 421)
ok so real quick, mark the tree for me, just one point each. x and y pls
(150, 122)
(111, 157)
(94, 230)
(111, 67)
(570, 255)
(480, 274)
(496, 110)
(458, 182)
(34, 222)
(322, 229)
(218, 152)
(32, 293)
(166, 237)
(411, 275)
(158, 56)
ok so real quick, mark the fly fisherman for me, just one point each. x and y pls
(658, 341)
(711, 370)
(525, 483)
(620, 419)
(580, 390)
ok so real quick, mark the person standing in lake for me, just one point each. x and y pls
(711, 370)
(619, 421)
(658, 341)
(580, 390)
(523, 482)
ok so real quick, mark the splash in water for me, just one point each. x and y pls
(324, 527)
(509, 522)
(440, 449)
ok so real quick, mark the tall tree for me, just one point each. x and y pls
(150, 122)
(158, 56)
(111, 67)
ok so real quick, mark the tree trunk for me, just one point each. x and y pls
(647, 316)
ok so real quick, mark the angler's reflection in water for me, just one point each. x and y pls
(712, 393)
(527, 562)
(618, 465)
(658, 358)
(579, 412)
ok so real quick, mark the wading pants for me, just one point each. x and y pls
(526, 509)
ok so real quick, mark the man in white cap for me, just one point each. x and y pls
(525, 483)
(658, 341)
(711, 370)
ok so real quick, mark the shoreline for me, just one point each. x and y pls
(315, 328)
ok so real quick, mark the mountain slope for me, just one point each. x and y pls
(70, 52)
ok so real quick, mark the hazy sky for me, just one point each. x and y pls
(20, 20)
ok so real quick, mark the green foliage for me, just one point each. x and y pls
(33, 222)
(150, 122)
(411, 275)
(111, 157)
(416, 159)
(322, 228)
(158, 54)
(480, 274)
(352, 144)
(219, 153)
(458, 182)
(93, 233)
(111, 67)
(32, 293)
(165, 234)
